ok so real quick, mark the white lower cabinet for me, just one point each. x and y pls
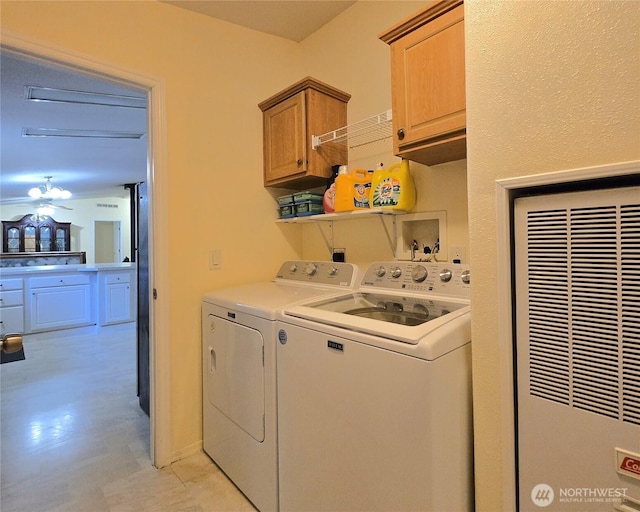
(59, 302)
(48, 300)
(115, 289)
(11, 306)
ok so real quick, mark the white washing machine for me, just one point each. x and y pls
(374, 394)
(239, 370)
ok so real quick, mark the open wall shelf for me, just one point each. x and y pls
(330, 217)
(363, 132)
(427, 229)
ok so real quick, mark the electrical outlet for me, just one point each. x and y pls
(339, 255)
(458, 254)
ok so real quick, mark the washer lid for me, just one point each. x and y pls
(407, 319)
(264, 300)
(408, 311)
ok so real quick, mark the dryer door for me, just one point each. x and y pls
(235, 373)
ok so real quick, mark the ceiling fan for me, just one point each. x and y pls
(44, 209)
(48, 204)
(43, 197)
(48, 191)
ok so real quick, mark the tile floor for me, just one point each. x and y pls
(74, 439)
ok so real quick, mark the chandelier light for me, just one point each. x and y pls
(48, 191)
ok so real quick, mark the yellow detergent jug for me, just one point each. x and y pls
(342, 197)
(352, 190)
(393, 188)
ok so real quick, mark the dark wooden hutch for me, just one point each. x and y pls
(35, 234)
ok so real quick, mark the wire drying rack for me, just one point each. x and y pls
(363, 132)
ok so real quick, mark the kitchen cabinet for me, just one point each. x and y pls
(290, 119)
(11, 306)
(34, 234)
(59, 302)
(428, 84)
(116, 297)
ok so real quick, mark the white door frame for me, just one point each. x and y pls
(507, 190)
(159, 340)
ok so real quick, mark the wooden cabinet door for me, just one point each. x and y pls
(290, 119)
(285, 148)
(428, 85)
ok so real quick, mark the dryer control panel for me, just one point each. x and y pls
(331, 273)
(437, 278)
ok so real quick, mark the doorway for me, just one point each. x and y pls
(160, 438)
(107, 241)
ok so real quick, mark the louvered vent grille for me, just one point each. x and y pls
(584, 308)
(548, 305)
(630, 236)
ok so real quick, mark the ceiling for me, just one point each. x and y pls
(88, 167)
(291, 19)
(100, 166)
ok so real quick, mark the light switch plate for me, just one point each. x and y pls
(215, 260)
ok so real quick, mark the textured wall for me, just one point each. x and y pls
(550, 86)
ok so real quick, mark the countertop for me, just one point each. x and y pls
(95, 267)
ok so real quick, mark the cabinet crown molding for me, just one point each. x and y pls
(429, 12)
(305, 83)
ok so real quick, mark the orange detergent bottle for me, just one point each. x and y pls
(393, 188)
(352, 190)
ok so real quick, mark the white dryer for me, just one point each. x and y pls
(239, 370)
(374, 394)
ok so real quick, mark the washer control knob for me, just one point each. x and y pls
(293, 268)
(333, 271)
(396, 272)
(381, 271)
(419, 273)
(466, 277)
(446, 275)
(311, 269)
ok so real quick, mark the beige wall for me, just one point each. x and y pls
(550, 86)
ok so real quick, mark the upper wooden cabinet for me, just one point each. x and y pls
(31, 234)
(427, 84)
(290, 118)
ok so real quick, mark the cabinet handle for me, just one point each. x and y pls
(299, 162)
(401, 133)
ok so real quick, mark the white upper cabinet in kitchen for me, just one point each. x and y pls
(428, 84)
